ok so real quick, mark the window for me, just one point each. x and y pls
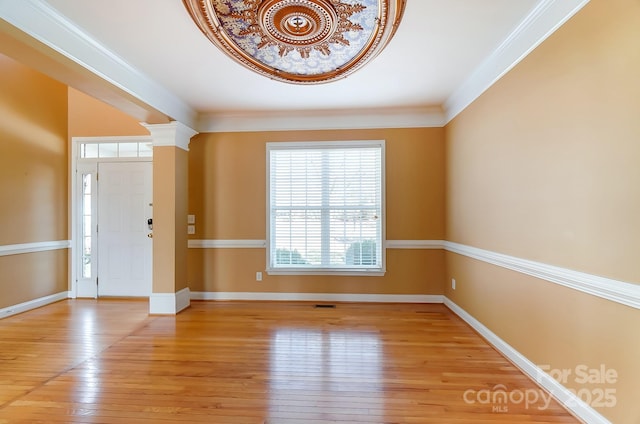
(325, 207)
(121, 149)
(87, 227)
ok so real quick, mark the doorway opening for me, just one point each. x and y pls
(112, 216)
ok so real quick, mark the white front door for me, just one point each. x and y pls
(124, 248)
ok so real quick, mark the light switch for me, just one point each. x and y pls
(191, 229)
(191, 219)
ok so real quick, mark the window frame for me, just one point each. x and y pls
(342, 271)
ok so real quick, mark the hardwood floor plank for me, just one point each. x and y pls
(107, 361)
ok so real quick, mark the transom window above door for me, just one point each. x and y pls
(113, 149)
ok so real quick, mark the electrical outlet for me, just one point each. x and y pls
(258, 276)
(453, 283)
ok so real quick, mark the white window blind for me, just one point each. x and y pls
(326, 206)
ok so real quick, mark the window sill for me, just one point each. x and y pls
(327, 271)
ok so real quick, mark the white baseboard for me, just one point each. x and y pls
(169, 303)
(33, 304)
(570, 401)
(318, 297)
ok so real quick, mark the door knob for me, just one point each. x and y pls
(150, 235)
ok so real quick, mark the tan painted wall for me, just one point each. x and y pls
(169, 219)
(89, 117)
(544, 166)
(32, 276)
(227, 179)
(33, 181)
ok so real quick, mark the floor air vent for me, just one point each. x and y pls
(324, 306)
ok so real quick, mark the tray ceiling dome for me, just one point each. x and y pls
(299, 41)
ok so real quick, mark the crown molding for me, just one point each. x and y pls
(45, 24)
(542, 21)
(418, 117)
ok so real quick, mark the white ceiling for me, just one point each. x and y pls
(445, 53)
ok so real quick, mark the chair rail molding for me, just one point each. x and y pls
(614, 290)
(42, 246)
(617, 291)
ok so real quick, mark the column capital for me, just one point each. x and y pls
(173, 133)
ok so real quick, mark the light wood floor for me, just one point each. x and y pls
(86, 361)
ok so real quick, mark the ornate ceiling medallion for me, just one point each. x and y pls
(299, 41)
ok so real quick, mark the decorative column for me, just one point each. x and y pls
(170, 293)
